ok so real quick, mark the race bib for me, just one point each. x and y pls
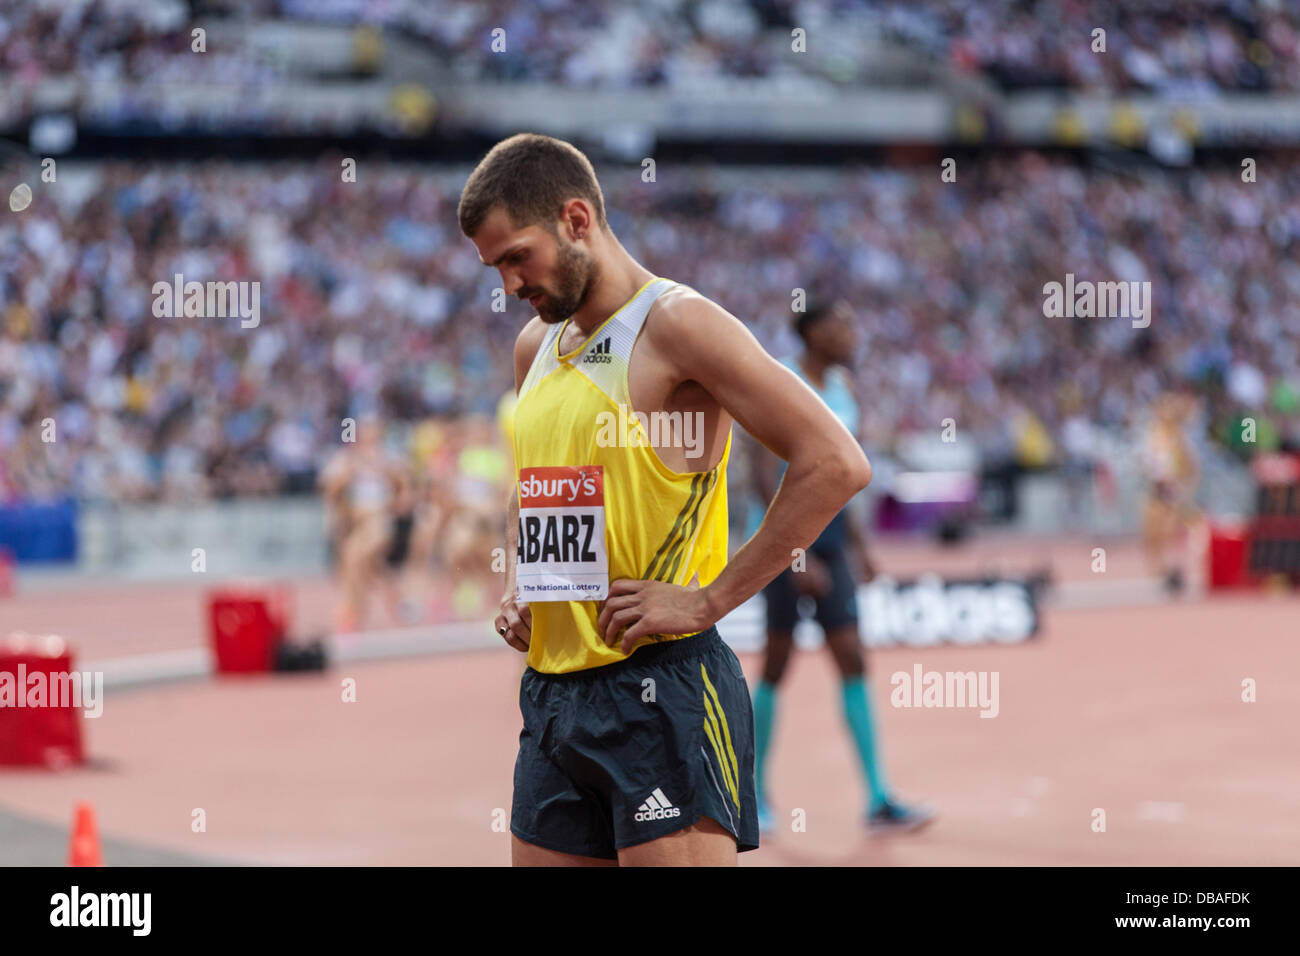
(562, 535)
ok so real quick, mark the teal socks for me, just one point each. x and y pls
(856, 698)
(764, 714)
(857, 713)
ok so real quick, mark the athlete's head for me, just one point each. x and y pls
(1175, 406)
(534, 209)
(369, 433)
(828, 332)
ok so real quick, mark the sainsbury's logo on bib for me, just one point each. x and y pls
(560, 486)
(561, 554)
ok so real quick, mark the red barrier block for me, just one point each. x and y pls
(245, 625)
(39, 724)
(1227, 556)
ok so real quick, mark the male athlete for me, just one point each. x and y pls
(637, 744)
(829, 578)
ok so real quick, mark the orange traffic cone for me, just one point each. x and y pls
(84, 850)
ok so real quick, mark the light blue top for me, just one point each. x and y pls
(838, 396)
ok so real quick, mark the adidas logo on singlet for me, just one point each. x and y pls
(656, 807)
(599, 353)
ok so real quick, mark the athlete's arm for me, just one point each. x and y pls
(764, 472)
(826, 464)
(856, 516)
(766, 477)
(403, 493)
(703, 342)
(334, 479)
(517, 619)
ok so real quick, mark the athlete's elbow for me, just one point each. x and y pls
(866, 472)
(854, 471)
(861, 471)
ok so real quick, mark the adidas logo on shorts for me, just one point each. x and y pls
(656, 807)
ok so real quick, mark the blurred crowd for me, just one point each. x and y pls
(372, 303)
(103, 40)
(1173, 47)
(1168, 47)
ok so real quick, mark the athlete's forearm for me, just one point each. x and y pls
(810, 495)
(764, 471)
(512, 538)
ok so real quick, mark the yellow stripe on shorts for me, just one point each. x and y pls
(711, 731)
(732, 773)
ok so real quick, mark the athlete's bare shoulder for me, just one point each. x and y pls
(683, 296)
(682, 316)
(527, 343)
(695, 339)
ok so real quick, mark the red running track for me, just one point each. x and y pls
(1135, 711)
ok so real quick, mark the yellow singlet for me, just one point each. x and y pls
(596, 502)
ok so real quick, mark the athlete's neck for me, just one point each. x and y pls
(814, 368)
(620, 278)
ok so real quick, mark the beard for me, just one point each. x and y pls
(575, 274)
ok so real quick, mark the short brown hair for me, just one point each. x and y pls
(532, 177)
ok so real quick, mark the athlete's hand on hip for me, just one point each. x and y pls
(651, 607)
(515, 622)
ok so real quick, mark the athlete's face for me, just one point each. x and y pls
(835, 338)
(368, 434)
(555, 274)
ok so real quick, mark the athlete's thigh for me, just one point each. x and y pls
(845, 644)
(529, 854)
(554, 819)
(837, 613)
(781, 603)
(1157, 514)
(776, 655)
(369, 538)
(705, 843)
(682, 758)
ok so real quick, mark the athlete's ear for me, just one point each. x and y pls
(576, 219)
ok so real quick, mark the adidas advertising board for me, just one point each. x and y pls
(930, 610)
